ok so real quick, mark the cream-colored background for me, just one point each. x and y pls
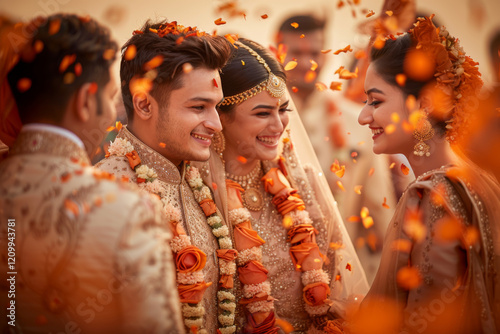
(125, 16)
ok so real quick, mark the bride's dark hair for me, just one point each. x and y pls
(243, 71)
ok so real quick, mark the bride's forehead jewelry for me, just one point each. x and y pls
(274, 85)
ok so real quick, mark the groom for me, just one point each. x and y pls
(82, 253)
(171, 87)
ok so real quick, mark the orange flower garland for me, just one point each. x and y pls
(304, 250)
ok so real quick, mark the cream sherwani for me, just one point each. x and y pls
(91, 254)
(178, 194)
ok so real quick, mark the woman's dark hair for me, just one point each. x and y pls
(389, 61)
(176, 49)
(243, 71)
(66, 52)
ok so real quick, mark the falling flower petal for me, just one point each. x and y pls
(38, 46)
(69, 78)
(310, 76)
(409, 278)
(265, 16)
(302, 36)
(364, 212)
(335, 85)
(390, 129)
(110, 128)
(401, 79)
(242, 159)
(294, 24)
(345, 50)
(413, 225)
(389, 12)
(357, 189)
(215, 83)
(336, 245)
(419, 66)
(340, 185)
(187, 67)
(448, 229)
(346, 74)
(379, 42)
(295, 89)
(395, 117)
(219, 21)
(242, 63)
(54, 26)
(385, 205)
(78, 69)
(354, 154)
(66, 61)
(162, 145)
(392, 165)
(314, 65)
(471, 236)
(340, 4)
(360, 54)
(405, 169)
(370, 13)
(23, 85)
(368, 222)
(153, 63)
(348, 266)
(109, 54)
(371, 171)
(326, 51)
(402, 245)
(290, 65)
(118, 125)
(354, 219)
(130, 52)
(320, 86)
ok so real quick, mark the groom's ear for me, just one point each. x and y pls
(142, 105)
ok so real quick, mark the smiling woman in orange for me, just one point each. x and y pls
(441, 251)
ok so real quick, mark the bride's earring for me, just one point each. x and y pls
(219, 144)
(423, 132)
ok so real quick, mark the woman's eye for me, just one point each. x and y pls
(285, 110)
(198, 107)
(263, 113)
(374, 103)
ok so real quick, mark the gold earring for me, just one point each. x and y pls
(219, 143)
(423, 132)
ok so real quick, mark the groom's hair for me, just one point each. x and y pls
(65, 52)
(171, 46)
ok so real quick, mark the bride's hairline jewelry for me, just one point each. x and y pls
(274, 85)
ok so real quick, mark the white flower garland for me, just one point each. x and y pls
(225, 296)
(193, 315)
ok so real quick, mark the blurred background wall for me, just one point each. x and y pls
(472, 21)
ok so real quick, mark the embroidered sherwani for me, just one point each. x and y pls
(178, 194)
(91, 254)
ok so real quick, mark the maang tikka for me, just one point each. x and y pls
(423, 132)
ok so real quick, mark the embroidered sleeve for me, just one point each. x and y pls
(146, 273)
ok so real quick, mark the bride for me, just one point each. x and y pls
(297, 267)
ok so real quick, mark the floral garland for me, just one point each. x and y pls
(189, 259)
(252, 274)
(457, 75)
(304, 250)
(226, 253)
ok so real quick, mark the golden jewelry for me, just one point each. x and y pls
(219, 144)
(252, 197)
(423, 132)
(274, 85)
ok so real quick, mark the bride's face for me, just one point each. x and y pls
(385, 113)
(253, 129)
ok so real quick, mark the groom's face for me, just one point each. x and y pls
(187, 124)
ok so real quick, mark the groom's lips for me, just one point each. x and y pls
(203, 139)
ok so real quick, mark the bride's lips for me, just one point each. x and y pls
(376, 132)
(269, 141)
(203, 139)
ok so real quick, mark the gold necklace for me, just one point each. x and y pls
(252, 197)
